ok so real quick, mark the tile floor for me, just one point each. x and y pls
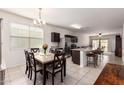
(75, 74)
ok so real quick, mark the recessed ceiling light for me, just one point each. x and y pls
(77, 26)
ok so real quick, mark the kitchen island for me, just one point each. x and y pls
(79, 56)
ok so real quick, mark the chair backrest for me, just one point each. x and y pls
(59, 58)
(93, 55)
(97, 51)
(90, 54)
(35, 50)
(32, 60)
(54, 50)
(26, 56)
(59, 50)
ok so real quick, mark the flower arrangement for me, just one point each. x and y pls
(45, 46)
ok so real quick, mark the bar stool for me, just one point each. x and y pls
(99, 52)
(94, 57)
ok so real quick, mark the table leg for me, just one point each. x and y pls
(65, 67)
(44, 74)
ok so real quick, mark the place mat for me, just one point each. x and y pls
(111, 75)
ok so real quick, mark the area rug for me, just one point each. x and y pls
(112, 74)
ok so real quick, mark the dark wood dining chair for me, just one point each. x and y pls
(57, 65)
(28, 65)
(34, 67)
(35, 50)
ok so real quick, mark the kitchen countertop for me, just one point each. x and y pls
(82, 49)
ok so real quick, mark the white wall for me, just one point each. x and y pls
(11, 57)
(103, 31)
(84, 37)
(14, 57)
(47, 34)
(111, 41)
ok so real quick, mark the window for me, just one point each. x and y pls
(36, 37)
(24, 36)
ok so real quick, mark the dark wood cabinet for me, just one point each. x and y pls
(55, 37)
(76, 57)
(118, 46)
(74, 39)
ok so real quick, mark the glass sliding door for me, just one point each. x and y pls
(104, 44)
(95, 44)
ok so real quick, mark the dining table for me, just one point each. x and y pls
(46, 59)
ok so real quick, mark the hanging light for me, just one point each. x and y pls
(99, 38)
(100, 34)
(39, 21)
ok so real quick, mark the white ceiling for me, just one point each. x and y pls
(89, 18)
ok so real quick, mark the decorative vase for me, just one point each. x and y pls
(44, 51)
(45, 46)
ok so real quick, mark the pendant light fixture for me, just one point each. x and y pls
(100, 34)
(39, 20)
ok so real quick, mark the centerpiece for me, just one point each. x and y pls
(45, 46)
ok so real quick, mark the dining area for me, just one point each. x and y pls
(45, 63)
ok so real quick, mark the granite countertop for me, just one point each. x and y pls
(82, 49)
